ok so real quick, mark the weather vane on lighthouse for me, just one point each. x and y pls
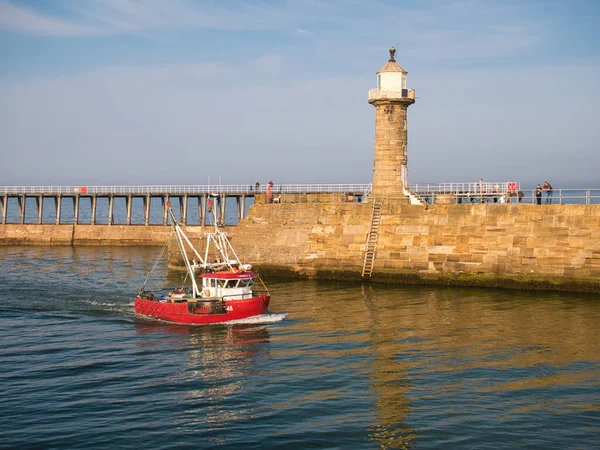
(392, 54)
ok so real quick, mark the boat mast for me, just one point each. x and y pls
(180, 238)
(187, 262)
(221, 243)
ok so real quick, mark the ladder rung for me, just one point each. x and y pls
(372, 238)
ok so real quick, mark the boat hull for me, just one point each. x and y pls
(181, 312)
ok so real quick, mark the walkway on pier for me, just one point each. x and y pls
(219, 189)
(208, 200)
(136, 205)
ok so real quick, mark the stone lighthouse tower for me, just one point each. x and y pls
(391, 99)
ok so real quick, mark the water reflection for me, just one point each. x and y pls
(351, 327)
(443, 348)
(389, 378)
(352, 366)
(217, 365)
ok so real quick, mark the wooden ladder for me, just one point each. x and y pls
(372, 238)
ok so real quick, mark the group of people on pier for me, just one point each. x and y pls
(269, 191)
(539, 190)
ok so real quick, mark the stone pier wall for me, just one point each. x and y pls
(30, 234)
(554, 247)
(524, 246)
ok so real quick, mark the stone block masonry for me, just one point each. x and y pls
(554, 247)
(550, 247)
(390, 147)
(30, 234)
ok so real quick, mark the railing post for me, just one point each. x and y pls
(183, 208)
(147, 200)
(129, 201)
(57, 202)
(201, 201)
(94, 200)
(76, 209)
(39, 200)
(3, 205)
(165, 199)
(111, 205)
(21, 201)
(223, 200)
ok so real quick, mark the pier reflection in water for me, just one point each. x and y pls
(459, 367)
(352, 366)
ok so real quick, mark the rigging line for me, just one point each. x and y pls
(262, 282)
(157, 260)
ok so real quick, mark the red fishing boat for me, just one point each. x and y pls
(219, 288)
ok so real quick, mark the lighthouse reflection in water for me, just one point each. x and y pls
(350, 366)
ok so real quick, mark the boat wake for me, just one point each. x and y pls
(263, 318)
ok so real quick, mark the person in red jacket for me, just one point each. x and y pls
(270, 192)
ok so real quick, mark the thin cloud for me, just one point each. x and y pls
(289, 86)
(512, 29)
(474, 30)
(271, 64)
(22, 19)
(114, 17)
(467, 44)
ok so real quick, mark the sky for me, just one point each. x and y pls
(193, 92)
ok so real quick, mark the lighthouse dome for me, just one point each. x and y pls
(392, 76)
(392, 65)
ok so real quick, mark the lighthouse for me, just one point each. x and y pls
(391, 99)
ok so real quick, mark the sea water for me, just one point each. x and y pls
(332, 365)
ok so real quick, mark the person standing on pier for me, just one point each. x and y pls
(538, 194)
(548, 189)
(270, 192)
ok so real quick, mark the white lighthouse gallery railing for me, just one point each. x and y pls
(382, 93)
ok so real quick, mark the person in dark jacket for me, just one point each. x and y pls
(538, 194)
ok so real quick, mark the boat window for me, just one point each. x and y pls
(243, 283)
(222, 283)
(233, 284)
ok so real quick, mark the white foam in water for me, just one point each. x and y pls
(263, 318)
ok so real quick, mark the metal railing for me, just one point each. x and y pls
(485, 187)
(562, 197)
(189, 189)
(501, 191)
(471, 193)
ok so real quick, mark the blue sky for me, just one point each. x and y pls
(105, 92)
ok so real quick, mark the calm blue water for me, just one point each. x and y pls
(350, 367)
